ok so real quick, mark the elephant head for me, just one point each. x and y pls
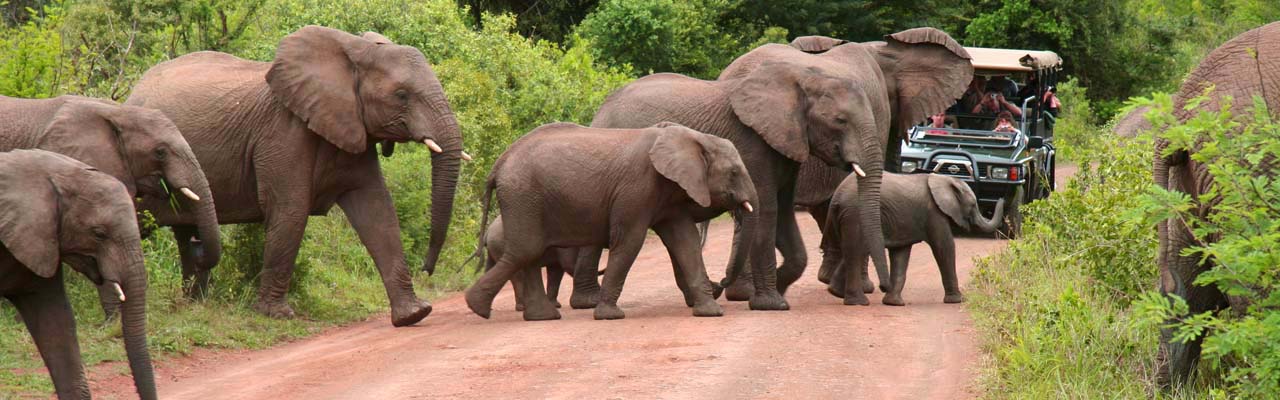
(355, 91)
(958, 202)
(53, 209)
(710, 170)
(144, 150)
(1241, 68)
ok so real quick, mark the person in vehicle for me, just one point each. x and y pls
(1004, 123)
(1002, 84)
(974, 94)
(994, 103)
(938, 120)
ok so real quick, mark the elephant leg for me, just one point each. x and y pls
(283, 237)
(373, 216)
(898, 261)
(763, 261)
(830, 245)
(742, 288)
(790, 244)
(195, 280)
(943, 245)
(586, 287)
(623, 250)
(536, 305)
(853, 258)
(47, 315)
(678, 270)
(555, 275)
(679, 236)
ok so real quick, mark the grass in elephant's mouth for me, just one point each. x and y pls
(335, 283)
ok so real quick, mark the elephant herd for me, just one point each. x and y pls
(208, 139)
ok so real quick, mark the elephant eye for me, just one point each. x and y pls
(402, 94)
(841, 120)
(99, 233)
(159, 153)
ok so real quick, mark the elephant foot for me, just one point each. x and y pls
(884, 288)
(953, 298)
(716, 290)
(409, 314)
(556, 303)
(708, 309)
(856, 301)
(868, 287)
(519, 306)
(545, 313)
(582, 301)
(837, 292)
(608, 311)
(768, 301)
(893, 299)
(825, 272)
(479, 303)
(278, 309)
(740, 290)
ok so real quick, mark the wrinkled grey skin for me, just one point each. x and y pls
(565, 185)
(54, 209)
(915, 208)
(558, 261)
(1133, 123)
(1246, 66)
(776, 116)
(920, 71)
(285, 139)
(138, 146)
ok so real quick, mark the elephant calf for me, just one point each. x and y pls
(558, 260)
(914, 208)
(565, 185)
(54, 209)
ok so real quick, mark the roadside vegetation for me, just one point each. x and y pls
(1066, 311)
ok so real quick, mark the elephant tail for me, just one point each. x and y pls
(485, 200)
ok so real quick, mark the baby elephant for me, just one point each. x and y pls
(914, 208)
(558, 260)
(565, 185)
(56, 210)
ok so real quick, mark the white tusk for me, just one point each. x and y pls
(190, 195)
(432, 144)
(119, 291)
(858, 170)
(747, 205)
(466, 156)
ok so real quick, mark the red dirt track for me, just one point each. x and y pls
(819, 349)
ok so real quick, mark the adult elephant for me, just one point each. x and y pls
(285, 139)
(1246, 66)
(138, 146)
(54, 209)
(919, 71)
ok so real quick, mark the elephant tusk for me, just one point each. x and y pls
(119, 291)
(466, 156)
(432, 144)
(747, 205)
(191, 195)
(858, 170)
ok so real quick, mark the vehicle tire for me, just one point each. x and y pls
(1012, 227)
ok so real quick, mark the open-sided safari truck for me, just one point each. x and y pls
(1014, 164)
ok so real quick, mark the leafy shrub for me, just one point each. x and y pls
(1241, 238)
(662, 36)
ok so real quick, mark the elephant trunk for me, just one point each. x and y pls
(444, 183)
(989, 225)
(133, 313)
(869, 215)
(187, 174)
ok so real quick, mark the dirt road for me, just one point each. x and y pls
(819, 349)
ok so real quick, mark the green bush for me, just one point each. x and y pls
(1241, 238)
(662, 36)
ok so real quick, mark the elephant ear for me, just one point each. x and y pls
(29, 216)
(926, 71)
(678, 155)
(816, 44)
(314, 76)
(376, 38)
(946, 195)
(81, 128)
(770, 101)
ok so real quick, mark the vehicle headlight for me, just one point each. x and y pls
(1000, 172)
(910, 166)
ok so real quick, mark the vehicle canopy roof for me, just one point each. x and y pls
(1012, 60)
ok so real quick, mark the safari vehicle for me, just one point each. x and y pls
(1016, 166)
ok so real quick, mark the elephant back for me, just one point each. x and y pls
(1245, 66)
